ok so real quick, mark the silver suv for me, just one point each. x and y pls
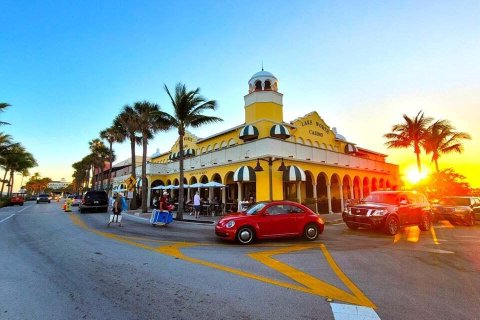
(458, 209)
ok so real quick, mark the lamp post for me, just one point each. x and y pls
(270, 161)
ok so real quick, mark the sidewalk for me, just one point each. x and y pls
(332, 218)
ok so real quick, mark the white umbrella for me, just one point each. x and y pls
(213, 184)
(196, 185)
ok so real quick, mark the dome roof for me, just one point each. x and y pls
(263, 74)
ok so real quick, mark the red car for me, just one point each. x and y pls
(268, 220)
(17, 198)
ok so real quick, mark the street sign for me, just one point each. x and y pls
(130, 182)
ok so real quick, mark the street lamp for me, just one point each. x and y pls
(270, 161)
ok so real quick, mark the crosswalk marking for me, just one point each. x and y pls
(351, 312)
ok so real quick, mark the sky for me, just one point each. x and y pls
(68, 67)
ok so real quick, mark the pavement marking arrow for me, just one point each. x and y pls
(307, 283)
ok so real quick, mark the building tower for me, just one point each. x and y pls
(263, 101)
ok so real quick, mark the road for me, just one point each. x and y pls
(56, 265)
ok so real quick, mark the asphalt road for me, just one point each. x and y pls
(55, 265)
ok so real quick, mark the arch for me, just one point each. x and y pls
(366, 187)
(209, 148)
(315, 144)
(231, 191)
(157, 183)
(308, 195)
(268, 85)
(381, 184)
(216, 146)
(232, 142)
(216, 177)
(203, 150)
(192, 180)
(336, 149)
(330, 147)
(176, 182)
(374, 184)
(308, 142)
(356, 188)
(300, 140)
(169, 182)
(204, 194)
(323, 146)
(346, 187)
(322, 194)
(223, 144)
(203, 179)
(258, 85)
(387, 184)
(335, 192)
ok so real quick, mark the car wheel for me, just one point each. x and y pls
(245, 235)
(392, 226)
(48, 201)
(470, 219)
(21, 204)
(425, 224)
(351, 226)
(311, 232)
(37, 202)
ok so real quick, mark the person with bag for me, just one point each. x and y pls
(117, 210)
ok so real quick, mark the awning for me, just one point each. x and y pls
(294, 173)
(279, 131)
(244, 174)
(213, 184)
(190, 152)
(248, 133)
(350, 148)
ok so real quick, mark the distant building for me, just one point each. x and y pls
(57, 185)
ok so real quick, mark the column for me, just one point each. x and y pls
(315, 196)
(352, 196)
(299, 195)
(240, 196)
(329, 198)
(341, 197)
(224, 198)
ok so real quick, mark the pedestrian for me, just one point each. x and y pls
(196, 204)
(164, 202)
(117, 210)
(155, 203)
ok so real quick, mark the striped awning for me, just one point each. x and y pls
(350, 148)
(248, 133)
(190, 152)
(294, 173)
(171, 156)
(244, 174)
(279, 131)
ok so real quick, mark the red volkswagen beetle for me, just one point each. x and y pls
(268, 220)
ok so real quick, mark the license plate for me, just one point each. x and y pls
(95, 202)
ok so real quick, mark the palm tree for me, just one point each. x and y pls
(128, 124)
(410, 133)
(3, 106)
(100, 154)
(188, 107)
(441, 138)
(17, 159)
(149, 122)
(111, 134)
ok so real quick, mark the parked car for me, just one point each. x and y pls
(267, 220)
(94, 201)
(17, 198)
(389, 211)
(76, 201)
(43, 198)
(458, 209)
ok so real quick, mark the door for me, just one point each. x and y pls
(275, 221)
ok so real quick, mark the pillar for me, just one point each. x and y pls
(341, 197)
(315, 196)
(240, 196)
(329, 198)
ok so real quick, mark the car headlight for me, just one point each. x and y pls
(347, 210)
(379, 213)
(230, 224)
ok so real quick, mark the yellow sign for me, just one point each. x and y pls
(130, 182)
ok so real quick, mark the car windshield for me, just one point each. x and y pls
(256, 208)
(455, 201)
(389, 198)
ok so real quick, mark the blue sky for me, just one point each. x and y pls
(68, 67)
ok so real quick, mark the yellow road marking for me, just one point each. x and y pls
(434, 235)
(309, 284)
(315, 285)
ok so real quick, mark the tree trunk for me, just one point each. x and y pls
(180, 189)
(144, 173)
(101, 175)
(436, 165)
(11, 180)
(3, 181)
(419, 164)
(133, 201)
(110, 169)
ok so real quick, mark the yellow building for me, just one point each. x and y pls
(266, 158)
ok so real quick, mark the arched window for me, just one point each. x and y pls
(268, 85)
(258, 85)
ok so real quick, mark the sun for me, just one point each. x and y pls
(413, 176)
